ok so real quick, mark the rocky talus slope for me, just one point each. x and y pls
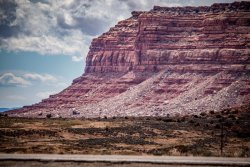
(178, 60)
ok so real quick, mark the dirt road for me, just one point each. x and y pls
(9, 160)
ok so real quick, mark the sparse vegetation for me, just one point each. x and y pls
(48, 115)
(211, 112)
(198, 135)
(203, 114)
(3, 115)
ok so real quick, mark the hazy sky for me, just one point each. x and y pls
(43, 44)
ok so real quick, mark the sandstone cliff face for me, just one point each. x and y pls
(217, 36)
(177, 60)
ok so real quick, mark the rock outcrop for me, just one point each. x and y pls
(178, 60)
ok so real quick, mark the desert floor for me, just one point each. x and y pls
(197, 135)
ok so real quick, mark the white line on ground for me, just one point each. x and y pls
(128, 158)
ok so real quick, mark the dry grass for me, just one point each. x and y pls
(192, 135)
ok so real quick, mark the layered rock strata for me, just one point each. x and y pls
(178, 60)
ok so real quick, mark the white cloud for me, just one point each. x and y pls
(69, 20)
(76, 58)
(67, 27)
(45, 44)
(26, 79)
(9, 79)
(40, 77)
(45, 94)
(39, 30)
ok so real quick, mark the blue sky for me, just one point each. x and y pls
(43, 44)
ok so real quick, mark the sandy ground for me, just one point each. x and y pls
(195, 135)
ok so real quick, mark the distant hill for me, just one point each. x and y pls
(7, 109)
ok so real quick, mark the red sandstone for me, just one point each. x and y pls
(179, 60)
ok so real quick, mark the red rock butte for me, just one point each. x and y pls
(169, 60)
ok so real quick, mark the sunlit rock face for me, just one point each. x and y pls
(178, 60)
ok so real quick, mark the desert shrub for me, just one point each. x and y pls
(232, 116)
(3, 115)
(168, 120)
(197, 124)
(211, 112)
(226, 111)
(218, 116)
(217, 126)
(201, 152)
(156, 152)
(245, 151)
(159, 151)
(235, 111)
(228, 124)
(241, 133)
(221, 119)
(182, 148)
(48, 116)
(183, 119)
(159, 119)
(196, 116)
(191, 121)
(203, 114)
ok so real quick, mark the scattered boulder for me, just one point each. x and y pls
(49, 115)
(75, 111)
